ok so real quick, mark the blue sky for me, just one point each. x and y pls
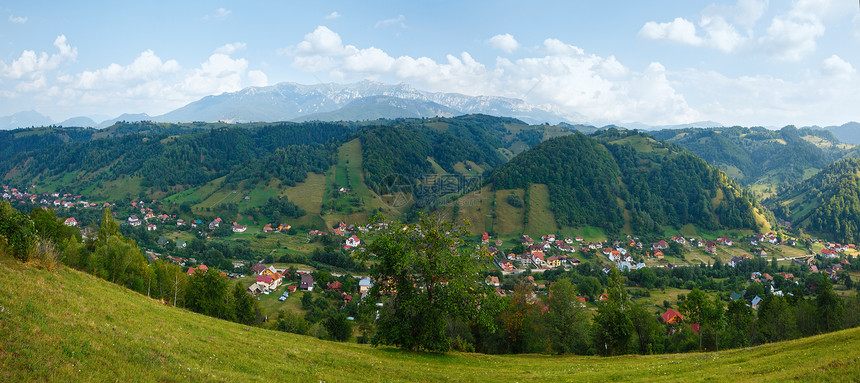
(745, 62)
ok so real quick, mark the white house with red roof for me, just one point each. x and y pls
(71, 222)
(352, 242)
(239, 228)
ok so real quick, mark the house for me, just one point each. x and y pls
(134, 221)
(181, 244)
(71, 222)
(270, 281)
(180, 222)
(352, 242)
(364, 284)
(554, 261)
(672, 316)
(239, 228)
(257, 288)
(755, 302)
(725, 241)
(679, 239)
(527, 241)
(258, 268)
(711, 247)
(735, 261)
(506, 264)
(573, 261)
(659, 254)
(268, 228)
(661, 245)
(215, 223)
(493, 281)
(307, 283)
(202, 268)
(736, 296)
(336, 285)
(151, 227)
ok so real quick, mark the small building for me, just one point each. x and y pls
(672, 316)
(364, 285)
(133, 220)
(71, 222)
(307, 283)
(711, 247)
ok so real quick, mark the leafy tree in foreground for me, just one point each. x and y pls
(612, 328)
(568, 325)
(432, 276)
(830, 308)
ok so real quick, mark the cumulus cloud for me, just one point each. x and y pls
(505, 43)
(332, 16)
(146, 67)
(718, 33)
(32, 66)
(679, 30)
(229, 49)
(399, 21)
(564, 79)
(790, 36)
(18, 19)
(147, 83)
(835, 66)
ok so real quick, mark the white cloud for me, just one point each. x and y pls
(566, 79)
(332, 16)
(679, 30)
(219, 14)
(229, 49)
(399, 21)
(146, 67)
(148, 83)
(719, 33)
(815, 98)
(18, 19)
(835, 66)
(32, 66)
(790, 36)
(505, 43)
(322, 41)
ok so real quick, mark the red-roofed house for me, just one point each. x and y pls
(711, 247)
(352, 242)
(672, 316)
(71, 222)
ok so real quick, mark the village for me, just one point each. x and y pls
(522, 259)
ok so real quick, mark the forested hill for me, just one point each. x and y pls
(616, 179)
(167, 159)
(768, 159)
(827, 203)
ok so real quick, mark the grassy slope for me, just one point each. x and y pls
(69, 326)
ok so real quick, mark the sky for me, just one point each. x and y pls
(745, 62)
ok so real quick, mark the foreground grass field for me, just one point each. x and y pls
(69, 326)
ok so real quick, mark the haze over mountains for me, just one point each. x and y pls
(364, 100)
